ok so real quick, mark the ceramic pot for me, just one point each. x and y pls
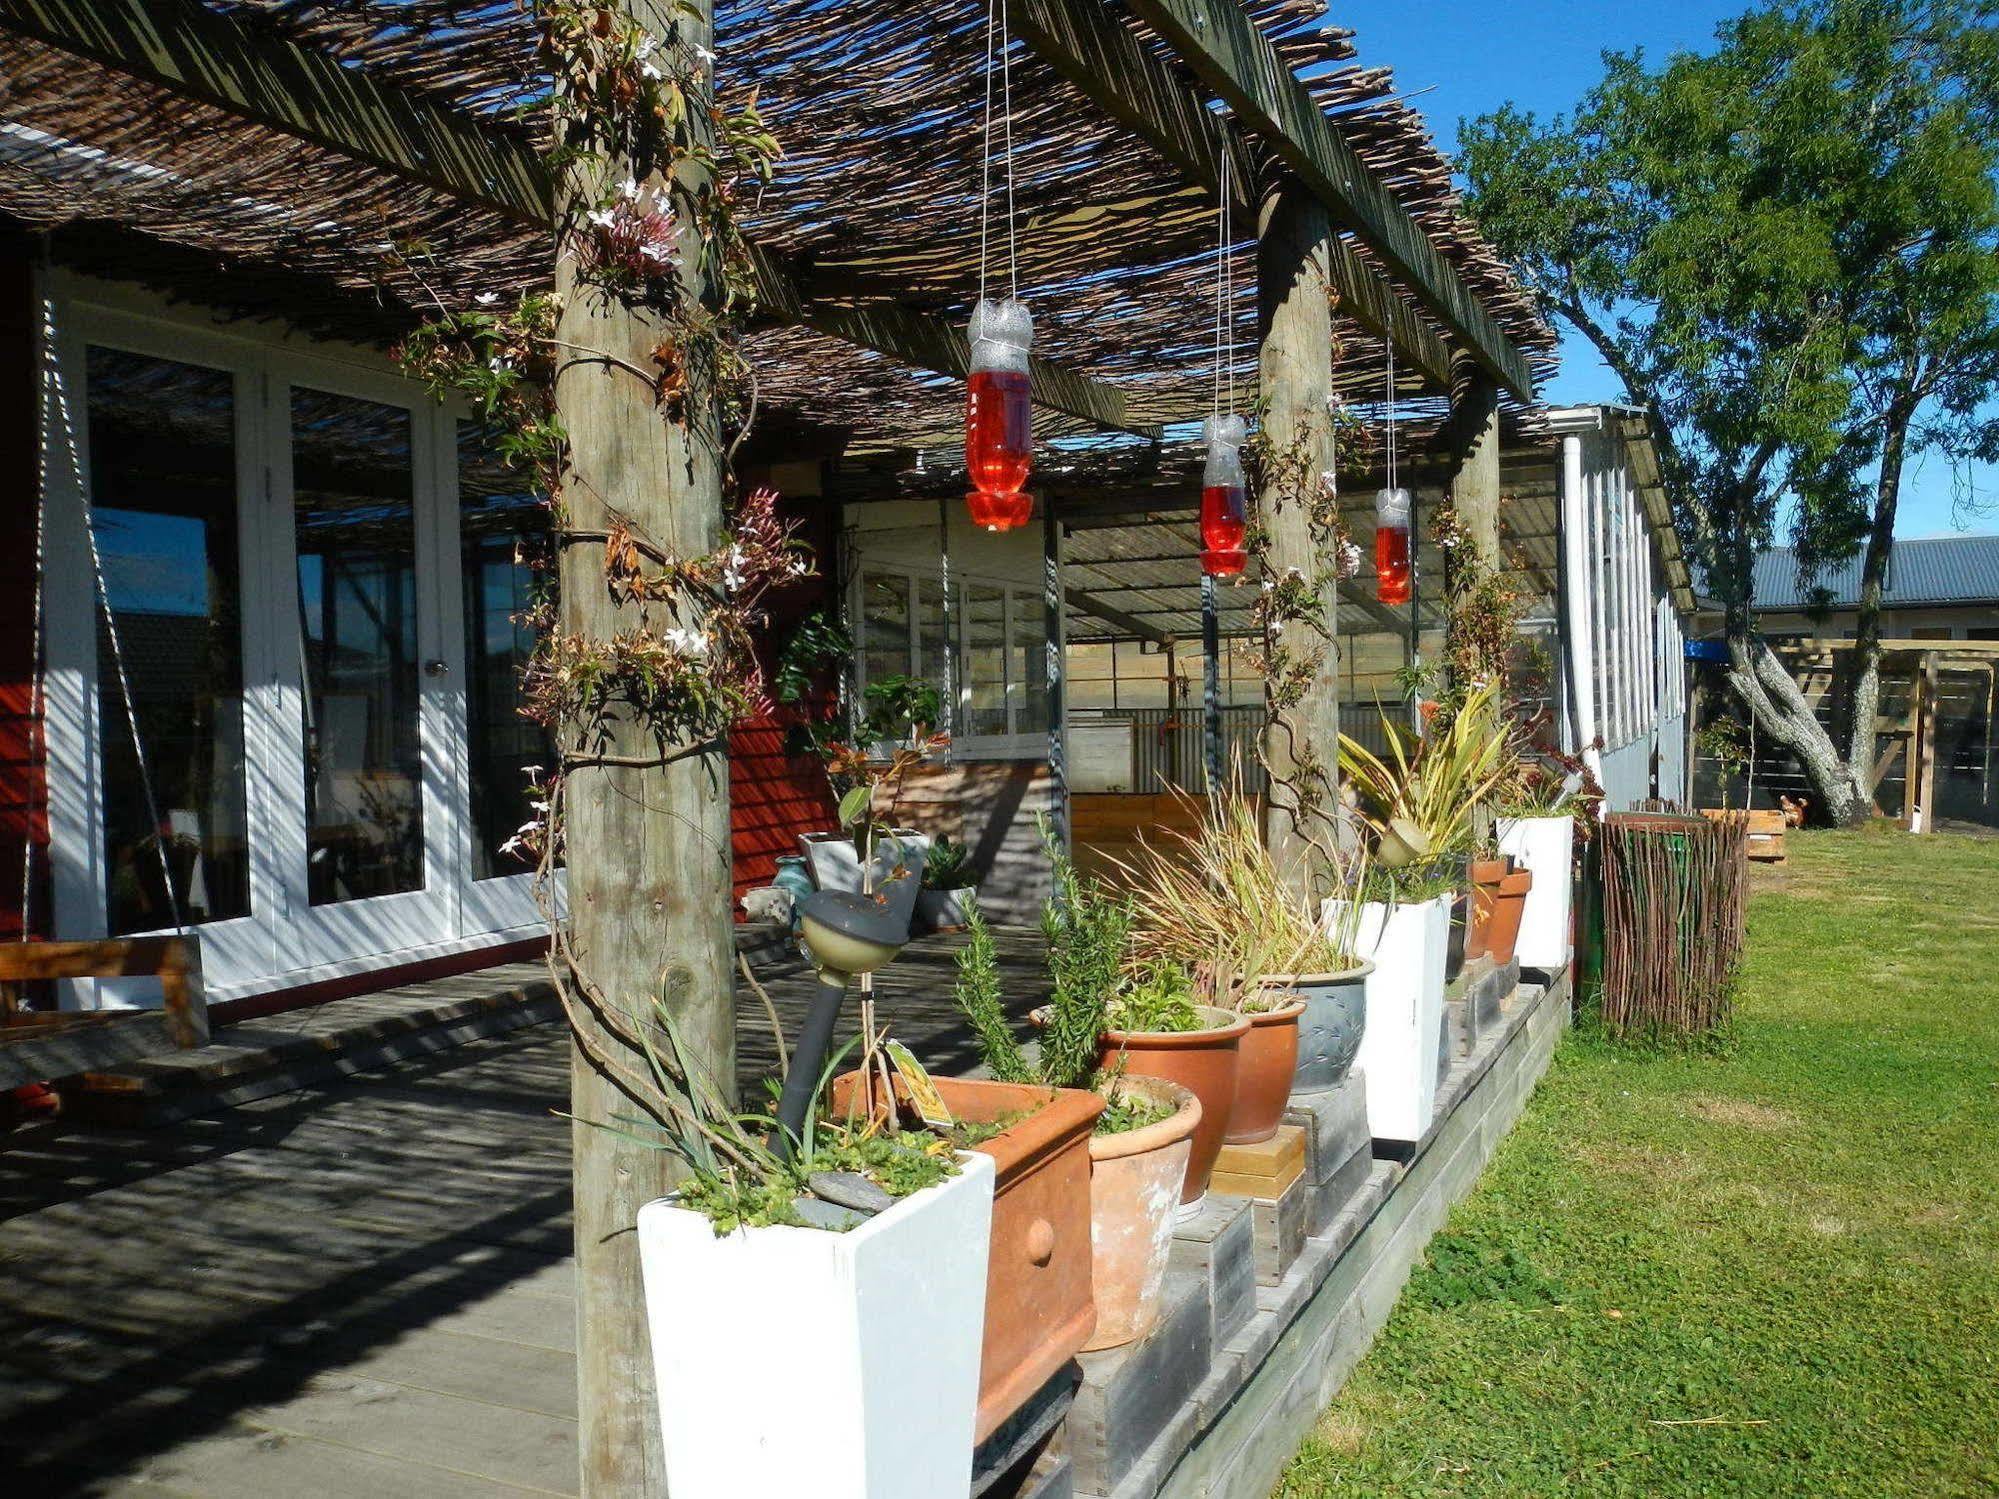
(1266, 1060)
(1330, 1030)
(1508, 904)
(1407, 943)
(1485, 877)
(1135, 1182)
(942, 910)
(1545, 847)
(1204, 1062)
(815, 1347)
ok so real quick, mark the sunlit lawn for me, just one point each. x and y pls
(1771, 1271)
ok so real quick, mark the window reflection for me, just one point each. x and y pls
(356, 531)
(502, 523)
(163, 487)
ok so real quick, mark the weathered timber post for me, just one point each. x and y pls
(1474, 458)
(1295, 363)
(647, 842)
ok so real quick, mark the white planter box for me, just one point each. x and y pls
(797, 1361)
(1405, 1013)
(1546, 846)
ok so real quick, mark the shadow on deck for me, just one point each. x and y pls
(361, 1288)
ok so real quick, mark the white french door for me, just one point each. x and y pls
(311, 576)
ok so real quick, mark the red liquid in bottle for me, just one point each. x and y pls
(999, 431)
(1391, 564)
(1224, 522)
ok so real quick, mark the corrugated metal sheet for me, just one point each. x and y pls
(1940, 570)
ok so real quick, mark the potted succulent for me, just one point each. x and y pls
(1415, 810)
(947, 886)
(1140, 1142)
(859, 1251)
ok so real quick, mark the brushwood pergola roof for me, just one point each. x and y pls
(293, 144)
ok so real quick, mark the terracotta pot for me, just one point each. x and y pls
(1039, 1306)
(1332, 1027)
(1509, 904)
(1266, 1061)
(1485, 877)
(1135, 1182)
(1203, 1062)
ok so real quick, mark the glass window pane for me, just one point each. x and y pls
(1028, 674)
(503, 528)
(930, 663)
(985, 660)
(884, 626)
(163, 483)
(356, 526)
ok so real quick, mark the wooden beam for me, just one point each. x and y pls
(1088, 603)
(275, 82)
(1218, 41)
(1109, 66)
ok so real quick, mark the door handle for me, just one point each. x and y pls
(436, 668)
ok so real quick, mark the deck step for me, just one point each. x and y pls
(303, 1048)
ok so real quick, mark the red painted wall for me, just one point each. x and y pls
(774, 796)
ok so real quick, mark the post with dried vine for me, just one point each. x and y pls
(1300, 546)
(646, 661)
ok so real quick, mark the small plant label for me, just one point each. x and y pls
(930, 1105)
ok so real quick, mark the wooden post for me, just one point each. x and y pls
(1295, 362)
(1474, 428)
(1926, 799)
(648, 844)
(1055, 664)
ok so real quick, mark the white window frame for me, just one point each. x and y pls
(284, 941)
(1016, 598)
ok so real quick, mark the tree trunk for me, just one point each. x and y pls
(648, 844)
(1301, 740)
(1764, 685)
(1863, 669)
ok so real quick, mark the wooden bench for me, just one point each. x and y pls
(36, 1046)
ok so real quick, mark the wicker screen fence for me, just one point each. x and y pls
(1673, 892)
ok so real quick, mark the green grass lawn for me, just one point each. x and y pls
(1769, 1271)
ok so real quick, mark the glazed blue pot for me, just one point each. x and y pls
(1330, 1030)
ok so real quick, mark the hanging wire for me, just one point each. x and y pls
(997, 44)
(59, 401)
(986, 154)
(1006, 87)
(1392, 469)
(37, 668)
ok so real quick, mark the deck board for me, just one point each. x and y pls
(358, 1288)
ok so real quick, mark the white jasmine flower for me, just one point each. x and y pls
(487, 298)
(688, 642)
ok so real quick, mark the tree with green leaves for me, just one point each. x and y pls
(1787, 251)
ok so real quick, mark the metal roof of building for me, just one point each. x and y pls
(1939, 570)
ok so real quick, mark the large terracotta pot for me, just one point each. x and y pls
(1332, 1027)
(1203, 1062)
(1509, 904)
(1135, 1182)
(1039, 1305)
(1266, 1061)
(1486, 875)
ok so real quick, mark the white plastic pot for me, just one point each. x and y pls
(1546, 846)
(799, 1361)
(1398, 1054)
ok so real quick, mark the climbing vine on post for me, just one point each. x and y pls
(616, 391)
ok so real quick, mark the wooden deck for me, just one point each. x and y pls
(359, 1289)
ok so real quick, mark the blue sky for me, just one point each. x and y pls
(1458, 59)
